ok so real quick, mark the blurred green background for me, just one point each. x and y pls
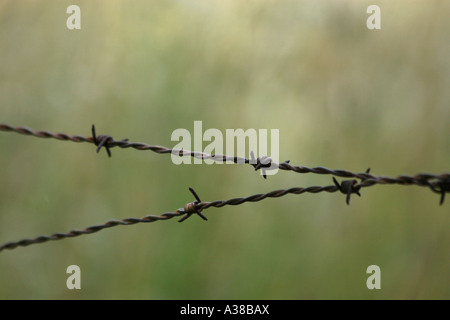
(341, 95)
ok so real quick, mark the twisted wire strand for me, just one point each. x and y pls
(367, 179)
(44, 134)
(438, 183)
(423, 179)
(190, 208)
(262, 196)
(89, 230)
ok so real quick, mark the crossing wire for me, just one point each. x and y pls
(437, 183)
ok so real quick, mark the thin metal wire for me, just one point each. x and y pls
(89, 230)
(187, 211)
(367, 179)
(439, 183)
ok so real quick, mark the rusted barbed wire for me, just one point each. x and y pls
(189, 209)
(436, 182)
(439, 183)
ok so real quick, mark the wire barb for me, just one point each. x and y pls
(349, 186)
(260, 163)
(105, 141)
(443, 186)
(192, 207)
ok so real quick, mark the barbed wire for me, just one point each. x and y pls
(187, 211)
(437, 183)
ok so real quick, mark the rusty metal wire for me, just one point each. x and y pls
(189, 209)
(437, 183)
(89, 230)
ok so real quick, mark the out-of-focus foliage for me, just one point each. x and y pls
(342, 96)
